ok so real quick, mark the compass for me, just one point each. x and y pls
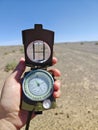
(37, 85)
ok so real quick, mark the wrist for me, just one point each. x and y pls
(6, 125)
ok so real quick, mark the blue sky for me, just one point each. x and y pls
(72, 20)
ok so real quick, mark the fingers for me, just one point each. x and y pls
(57, 94)
(57, 91)
(57, 83)
(54, 60)
(55, 72)
(17, 73)
(20, 68)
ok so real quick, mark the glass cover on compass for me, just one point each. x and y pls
(38, 51)
(38, 85)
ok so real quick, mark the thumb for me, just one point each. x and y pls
(20, 68)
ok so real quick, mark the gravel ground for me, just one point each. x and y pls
(77, 108)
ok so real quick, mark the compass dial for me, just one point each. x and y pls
(38, 85)
(38, 51)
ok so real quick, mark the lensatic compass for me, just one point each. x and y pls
(37, 86)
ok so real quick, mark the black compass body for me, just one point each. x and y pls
(37, 86)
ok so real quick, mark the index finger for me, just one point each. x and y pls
(54, 60)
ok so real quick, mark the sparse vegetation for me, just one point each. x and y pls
(82, 43)
(96, 43)
(10, 66)
(21, 50)
(6, 53)
(13, 51)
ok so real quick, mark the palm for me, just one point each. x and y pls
(12, 90)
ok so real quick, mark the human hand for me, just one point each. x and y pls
(11, 97)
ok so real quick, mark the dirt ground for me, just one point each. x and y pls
(77, 108)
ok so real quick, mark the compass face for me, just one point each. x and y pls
(38, 85)
(38, 51)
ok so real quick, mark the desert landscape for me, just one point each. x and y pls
(77, 108)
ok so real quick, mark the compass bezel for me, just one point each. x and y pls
(39, 74)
